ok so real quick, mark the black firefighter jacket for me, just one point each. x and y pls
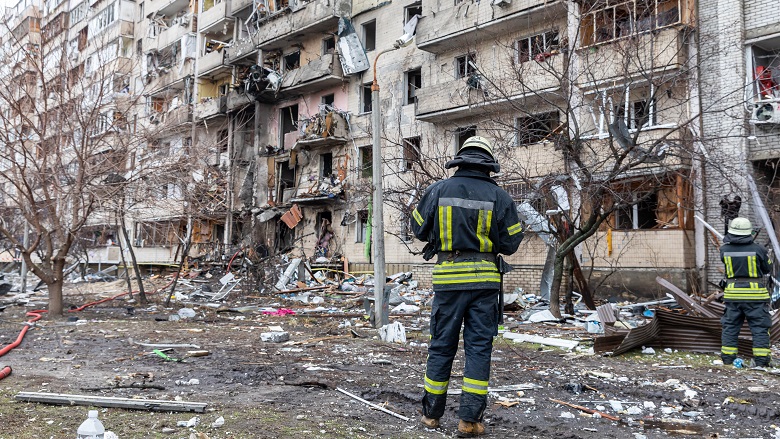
(467, 212)
(746, 264)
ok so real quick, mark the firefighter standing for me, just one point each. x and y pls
(468, 220)
(745, 292)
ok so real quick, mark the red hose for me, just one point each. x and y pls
(36, 315)
(231, 262)
(4, 372)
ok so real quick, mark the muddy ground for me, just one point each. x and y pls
(288, 390)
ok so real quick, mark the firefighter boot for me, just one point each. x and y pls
(429, 422)
(470, 429)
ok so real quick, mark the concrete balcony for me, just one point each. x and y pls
(459, 26)
(175, 117)
(307, 18)
(119, 28)
(236, 100)
(456, 99)
(241, 49)
(169, 8)
(167, 37)
(215, 16)
(623, 59)
(318, 74)
(212, 63)
(240, 8)
(211, 108)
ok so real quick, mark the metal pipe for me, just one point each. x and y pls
(377, 220)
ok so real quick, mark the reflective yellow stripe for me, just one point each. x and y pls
(460, 267)
(752, 270)
(445, 227)
(729, 267)
(515, 229)
(417, 217)
(483, 230)
(467, 277)
(728, 350)
(761, 352)
(436, 387)
(476, 387)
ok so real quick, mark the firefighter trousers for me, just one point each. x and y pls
(759, 320)
(477, 312)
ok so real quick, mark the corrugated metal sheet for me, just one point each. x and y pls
(675, 330)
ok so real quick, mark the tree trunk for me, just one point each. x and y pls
(55, 290)
(555, 289)
(127, 270)
(139, 280)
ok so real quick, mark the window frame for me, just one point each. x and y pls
(464, 69)
(537, 118)
(371, 26)
(410, 94)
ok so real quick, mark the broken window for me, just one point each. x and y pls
(463, 134)
(366, 98)
(366, 162)
(637, 211)
(326, 164)
(361, 226)
(610, 107)
(536, 128)
(465, 65)
(285, 237)
(328, 99)
(765, 65)
(411, 11)
(289, 119)
(292, 61)
(163, 233)
(411, 147)
(286, 179)
(328, 45)
(605, 21)
(369, 35)
(537, 47)
(413, 82)
(639, 115)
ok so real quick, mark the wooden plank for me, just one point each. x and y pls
(110, 401)
(685, 300)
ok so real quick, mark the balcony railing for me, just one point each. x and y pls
(307, 18)
(316, 75)
(211, 108)
(465, 22)
(643, 55)
(213, 16)
(463, 97)
(167, 37)
(211, 61)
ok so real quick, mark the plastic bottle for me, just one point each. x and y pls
(739, 363)
(92, 428)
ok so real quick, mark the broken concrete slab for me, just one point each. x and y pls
(275, 337)
(547, 341)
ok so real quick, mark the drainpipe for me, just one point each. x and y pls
(699, 155)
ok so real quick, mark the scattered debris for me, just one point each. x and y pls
(528, 338)
(109, 401)
(372, 405)
(586, 410)
(275, 337)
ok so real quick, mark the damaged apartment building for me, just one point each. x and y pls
(262, 108)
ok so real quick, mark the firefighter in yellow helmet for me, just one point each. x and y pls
(467, 220)
(745, 292)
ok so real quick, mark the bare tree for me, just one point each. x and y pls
(65, 137)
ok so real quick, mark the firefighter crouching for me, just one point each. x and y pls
(745, 292)
(467, 221)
